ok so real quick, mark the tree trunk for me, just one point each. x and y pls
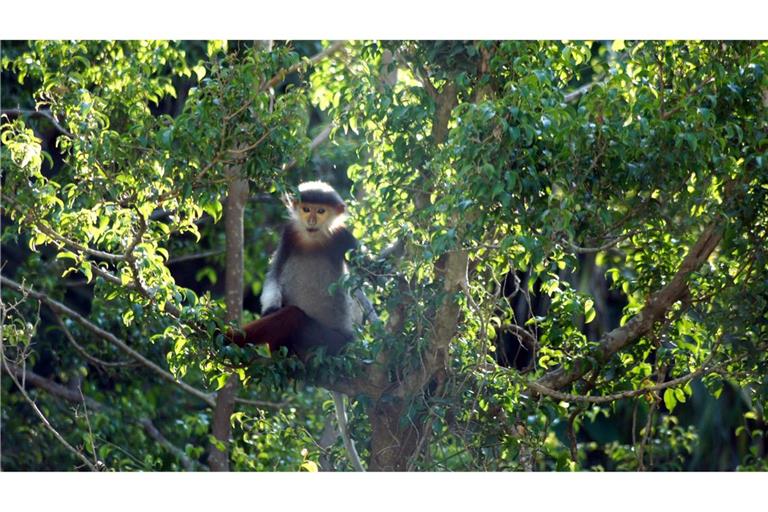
(234, 209)
(234, 213)
(392, 444)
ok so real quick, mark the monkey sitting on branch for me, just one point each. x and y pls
(298, 309)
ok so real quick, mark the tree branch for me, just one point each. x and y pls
(654, 310)
(199, 255)
(280, 76)
(61, 238)
(240, 151)
(72, 395)
(42, 417)
(234, 210)
(574, 95)
(58, 307)
(704, 370)
(521, 332)
(154, 433)
(694, 91)
(591, 250)
(341, 419)
(319, 139)
(47, 114)
(80, 350)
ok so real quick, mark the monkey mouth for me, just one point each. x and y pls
(313, 230)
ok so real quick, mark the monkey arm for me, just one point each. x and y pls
(271, 295)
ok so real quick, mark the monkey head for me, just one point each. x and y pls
(318, 212)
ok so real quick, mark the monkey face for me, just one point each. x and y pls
(315, 223)
(313, 217)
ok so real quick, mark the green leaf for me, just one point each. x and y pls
(216, 46)
(669, 399)
(67, 255)
(214, 209)
(87, 271)
(199, 71)
(128, 317)
(310, 466)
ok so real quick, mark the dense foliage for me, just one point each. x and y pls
(565, 243)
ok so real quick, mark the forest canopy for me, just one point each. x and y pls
(564, 244)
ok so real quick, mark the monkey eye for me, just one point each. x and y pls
(321, 210)
(306, 209)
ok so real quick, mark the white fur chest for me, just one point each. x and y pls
(312, 283)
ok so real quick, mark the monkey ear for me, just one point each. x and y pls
(288, 200)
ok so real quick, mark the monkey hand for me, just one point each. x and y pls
(236, 336)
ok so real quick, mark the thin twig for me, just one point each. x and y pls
(319, 139)
(521, 332)
(42, 417)
(47, 114)
(197, 256)
(590, 250)
(704, 370)
(70, 395)
(88, 423)
(262, 403)
(693, 92)
(242, 150)
(80, 350)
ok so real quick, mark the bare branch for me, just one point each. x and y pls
(154, 433)
(521, 332)
(590, 250)
(262, 403)
(341, 419)
(574, 95)
(197, 256)
(241, 151)
(54, 388)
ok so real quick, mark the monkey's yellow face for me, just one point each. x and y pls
(315, 218)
